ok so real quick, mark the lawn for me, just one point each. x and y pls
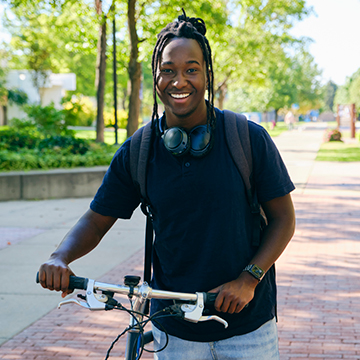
(277, 130)
(345, 150)
(109, 136)
(339, 151)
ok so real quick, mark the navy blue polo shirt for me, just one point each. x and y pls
(202, 223)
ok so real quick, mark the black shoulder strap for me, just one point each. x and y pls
(139, 155)
(238, 141)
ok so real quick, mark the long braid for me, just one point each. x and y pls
(191, 28)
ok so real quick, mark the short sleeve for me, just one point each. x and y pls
(271, 177)
(117, 195)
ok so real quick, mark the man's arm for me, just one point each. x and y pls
(81, 239)
(234, 295)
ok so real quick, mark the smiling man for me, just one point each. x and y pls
(181, 83)
(201, 218)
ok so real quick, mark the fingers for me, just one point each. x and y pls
(229, 304)
(55, 277)
(233, 298)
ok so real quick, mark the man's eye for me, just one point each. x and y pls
(192, 70)
(166, 71)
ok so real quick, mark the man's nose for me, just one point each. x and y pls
(179, 80)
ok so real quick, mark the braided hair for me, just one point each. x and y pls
(190, 28)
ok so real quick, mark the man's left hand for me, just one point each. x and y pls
(235, 295)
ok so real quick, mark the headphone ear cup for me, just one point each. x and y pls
(201, 141)
(176, 141)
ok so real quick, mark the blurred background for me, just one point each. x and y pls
(82, 69)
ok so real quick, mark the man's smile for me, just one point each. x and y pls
(180, 96)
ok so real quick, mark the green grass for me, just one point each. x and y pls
(339, 151)
(344, 151)
(109, 136)
(278, 129)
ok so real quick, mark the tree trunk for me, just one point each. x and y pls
(134, 72)
(100, 73)
(222, 92)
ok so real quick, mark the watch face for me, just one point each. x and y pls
(257, 271)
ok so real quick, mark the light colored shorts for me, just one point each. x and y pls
(260, 344)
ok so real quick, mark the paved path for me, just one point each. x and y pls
(318, 275)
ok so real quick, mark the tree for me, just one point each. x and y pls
(349, 93)
(329, 95)
(134, 70)
(100, 71)
(45, 44)
(246, 52)
(354, 92)
(61, 40)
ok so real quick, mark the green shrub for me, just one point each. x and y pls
(13, 139)
(68, 143)
(122, 119)
(333, 135)
(35, 159)
(79, 111)
(47, 119)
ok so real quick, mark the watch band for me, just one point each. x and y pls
(256, 271)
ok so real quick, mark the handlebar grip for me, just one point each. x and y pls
(209, 299)
(75, 282)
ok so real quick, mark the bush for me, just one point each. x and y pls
(47, 119)
(66, 143)
(14, 139)
(35, 159)
(333, 135)
(122, 117)
(79, 111)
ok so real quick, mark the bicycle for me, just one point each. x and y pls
(100, 296)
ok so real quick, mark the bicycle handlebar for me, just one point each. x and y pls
(81, 283)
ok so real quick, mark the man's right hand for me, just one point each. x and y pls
(54, 275)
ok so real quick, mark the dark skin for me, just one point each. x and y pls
(81, 239)
(181, 86)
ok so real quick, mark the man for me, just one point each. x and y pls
(201, 217)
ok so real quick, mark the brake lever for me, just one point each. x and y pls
(74, 301)
(193, 313)
(93, 301)
(216, 318)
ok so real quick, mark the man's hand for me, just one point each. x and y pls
(54, 275)
(235, 295)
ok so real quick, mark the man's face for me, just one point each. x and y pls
(181, 82)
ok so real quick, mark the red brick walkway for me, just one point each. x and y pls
(318, 283)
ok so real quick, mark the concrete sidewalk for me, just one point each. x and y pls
(318, 275)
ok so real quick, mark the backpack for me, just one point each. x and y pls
(238, 142)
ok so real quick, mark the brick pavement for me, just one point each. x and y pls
(318, 283)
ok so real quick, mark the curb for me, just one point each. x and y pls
(51, 184)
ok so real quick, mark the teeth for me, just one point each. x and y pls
(180, 96)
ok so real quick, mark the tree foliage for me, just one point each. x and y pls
(255, 58)
(349, 93)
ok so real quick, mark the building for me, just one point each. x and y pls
(50, 88)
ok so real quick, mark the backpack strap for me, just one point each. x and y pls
(238, 141)
(139, 155)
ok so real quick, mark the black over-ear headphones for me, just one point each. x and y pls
(198, 141)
